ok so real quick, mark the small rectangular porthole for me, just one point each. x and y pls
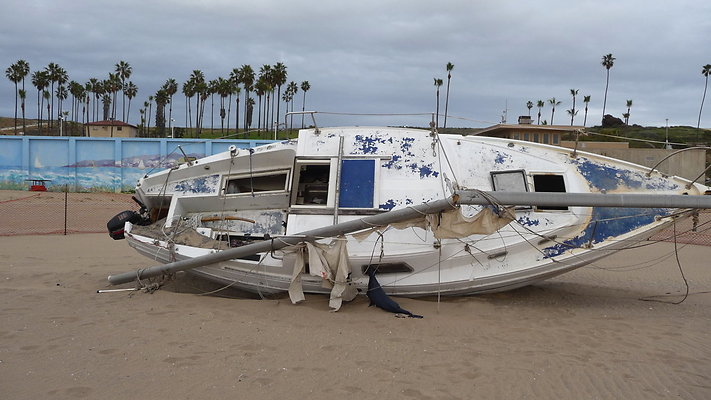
(549, 183)
(509, 181)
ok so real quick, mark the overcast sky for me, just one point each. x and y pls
(379, 56)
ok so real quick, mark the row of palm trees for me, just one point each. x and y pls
(608, 61)
(269, 79)
(81, 109)
(87, 98)
(243, 79)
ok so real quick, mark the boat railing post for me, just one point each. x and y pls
(337, 195)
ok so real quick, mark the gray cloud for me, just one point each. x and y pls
(381, 56)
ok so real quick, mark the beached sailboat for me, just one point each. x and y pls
(431, 213)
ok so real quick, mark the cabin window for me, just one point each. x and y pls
(313, 183)
(387, 268)
(535, 137)
(526, 136)
(549, 183)
(546, 138)
(509, 181)
(556, 139)
(255, 183)
(357, 184)
(516, 136)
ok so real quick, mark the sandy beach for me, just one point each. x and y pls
(584, 335)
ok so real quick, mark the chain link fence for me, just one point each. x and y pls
(695, 230)
(47, 213)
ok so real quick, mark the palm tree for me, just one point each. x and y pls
(586, 100)
(261, 90)
(13, 74)
(76, 89)
(114, 85)
(106, 105)
(92, 86)
(147, 119)
(573, 92)
(265, 75)
(52, 71)
(288, 97)
(607, 61)
(59, 75)
(23, 68)
(627, 114)
(250, 110)
(247, 80)
(212, 89)
(190, 89)
(123, 70)
(130, 90)
(529, 105)
(221, 90)
(235, 80)
(161, 98)
(305, 86)
(142, 113)
(705, 71)
(237, 91)
(202, 92)
(40, 80)
(23, 95)
(437, 83)
(62, 95)
(199, 88)
(86, 104)
(449, 67)
(540, 104)
(46, 98)
(170, 87)
(553, 103)
(150, 107)
(279, 79)
(572, 112)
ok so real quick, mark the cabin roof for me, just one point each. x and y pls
(503, 128)
(109, 123)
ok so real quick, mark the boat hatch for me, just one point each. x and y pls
(509, 181)
(549, 183)
(357, 185)
(258, 182)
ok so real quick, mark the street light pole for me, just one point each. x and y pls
(668, 147)
(172, 128)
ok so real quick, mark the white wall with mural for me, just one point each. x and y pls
(97, 164)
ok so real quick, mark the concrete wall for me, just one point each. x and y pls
(97, 164)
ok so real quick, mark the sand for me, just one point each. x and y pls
(584, 335)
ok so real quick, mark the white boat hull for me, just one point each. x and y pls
(341, 174)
